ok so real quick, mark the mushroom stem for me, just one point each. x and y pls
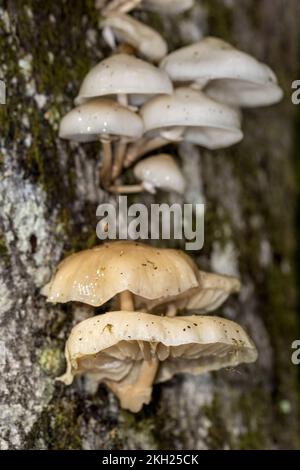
(122, 99)
(121, 145)
(143, 146)
(119, 159)
(171, 310)
(133, 396)
(126, 301)
(127, 189)
(105, 172)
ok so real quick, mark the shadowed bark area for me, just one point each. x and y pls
(48, 197)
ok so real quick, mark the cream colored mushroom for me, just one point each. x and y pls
(101, 120)
(213, 290)
(217, 124)
(156, 172)
(129, 351)
(224, 73)
(97, 275)
(145, 40)
(122, 75)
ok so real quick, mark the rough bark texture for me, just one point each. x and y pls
(49, 193)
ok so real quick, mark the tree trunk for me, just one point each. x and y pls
(49, 194)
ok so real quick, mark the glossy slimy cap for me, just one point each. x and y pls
(100, 118)
(123, 74)
(224, 73)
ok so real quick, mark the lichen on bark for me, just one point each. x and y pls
(48, 197)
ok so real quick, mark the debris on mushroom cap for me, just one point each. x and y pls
(167, 6)
(191, 108)
(123, 74)
(224, 73)
(160, 171)
(85, 123)
(144, 39)
(213, 290)
(114, 347)
(94, 276)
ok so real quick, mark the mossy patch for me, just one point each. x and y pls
(57, 428)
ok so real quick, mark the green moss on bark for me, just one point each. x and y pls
(57, 428)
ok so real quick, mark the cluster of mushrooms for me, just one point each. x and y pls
(143, 341)
(135, 106)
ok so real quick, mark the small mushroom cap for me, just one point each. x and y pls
(167, 6)
(144, 39)
(95, 276)
(191, 108)
(113, 345)
(213, 290)
(162, 172)
(225, 73)
(212, 138)
(123, 74)
(100, 117)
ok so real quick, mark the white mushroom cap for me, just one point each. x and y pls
(94, 276)
(167, 6)
(144, 39)
(113, 346)
(100, 117)
(123, 74)
(161, 172)
(191, 108)
(212, 138)
(224, 72)
(213, 290)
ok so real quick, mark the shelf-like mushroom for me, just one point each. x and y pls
(145, 40)
(155, 172)
(140, 276)
(224, 73)
(213, 290)
(95, 276)
(101, 120)
(129, 351)
(170, 117)
(122, 76)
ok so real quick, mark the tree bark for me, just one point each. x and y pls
(48, 198)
